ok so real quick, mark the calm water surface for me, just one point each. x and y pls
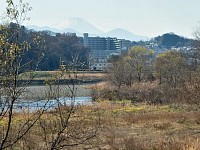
(50, 104)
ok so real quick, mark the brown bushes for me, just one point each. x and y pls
(153, 92)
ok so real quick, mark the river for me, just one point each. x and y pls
(33, 105)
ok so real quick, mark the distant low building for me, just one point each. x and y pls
(100, 64)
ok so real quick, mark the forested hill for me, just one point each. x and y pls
(54, 46)
(67, 48)
(169, 40)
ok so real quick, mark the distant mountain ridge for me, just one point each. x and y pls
(80, 26)
(44, 28)
(124, 34)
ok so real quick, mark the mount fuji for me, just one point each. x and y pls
(80, 26)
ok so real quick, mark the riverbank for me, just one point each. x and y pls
(79, 77)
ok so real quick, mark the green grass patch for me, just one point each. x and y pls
(169, 108)
(35, 75)
(129, 109)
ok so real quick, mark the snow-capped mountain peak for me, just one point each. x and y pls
(80, 26)
(77, 24)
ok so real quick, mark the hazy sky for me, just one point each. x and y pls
(144, 17)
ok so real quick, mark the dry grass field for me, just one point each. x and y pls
(124, 126)
(129, 127)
